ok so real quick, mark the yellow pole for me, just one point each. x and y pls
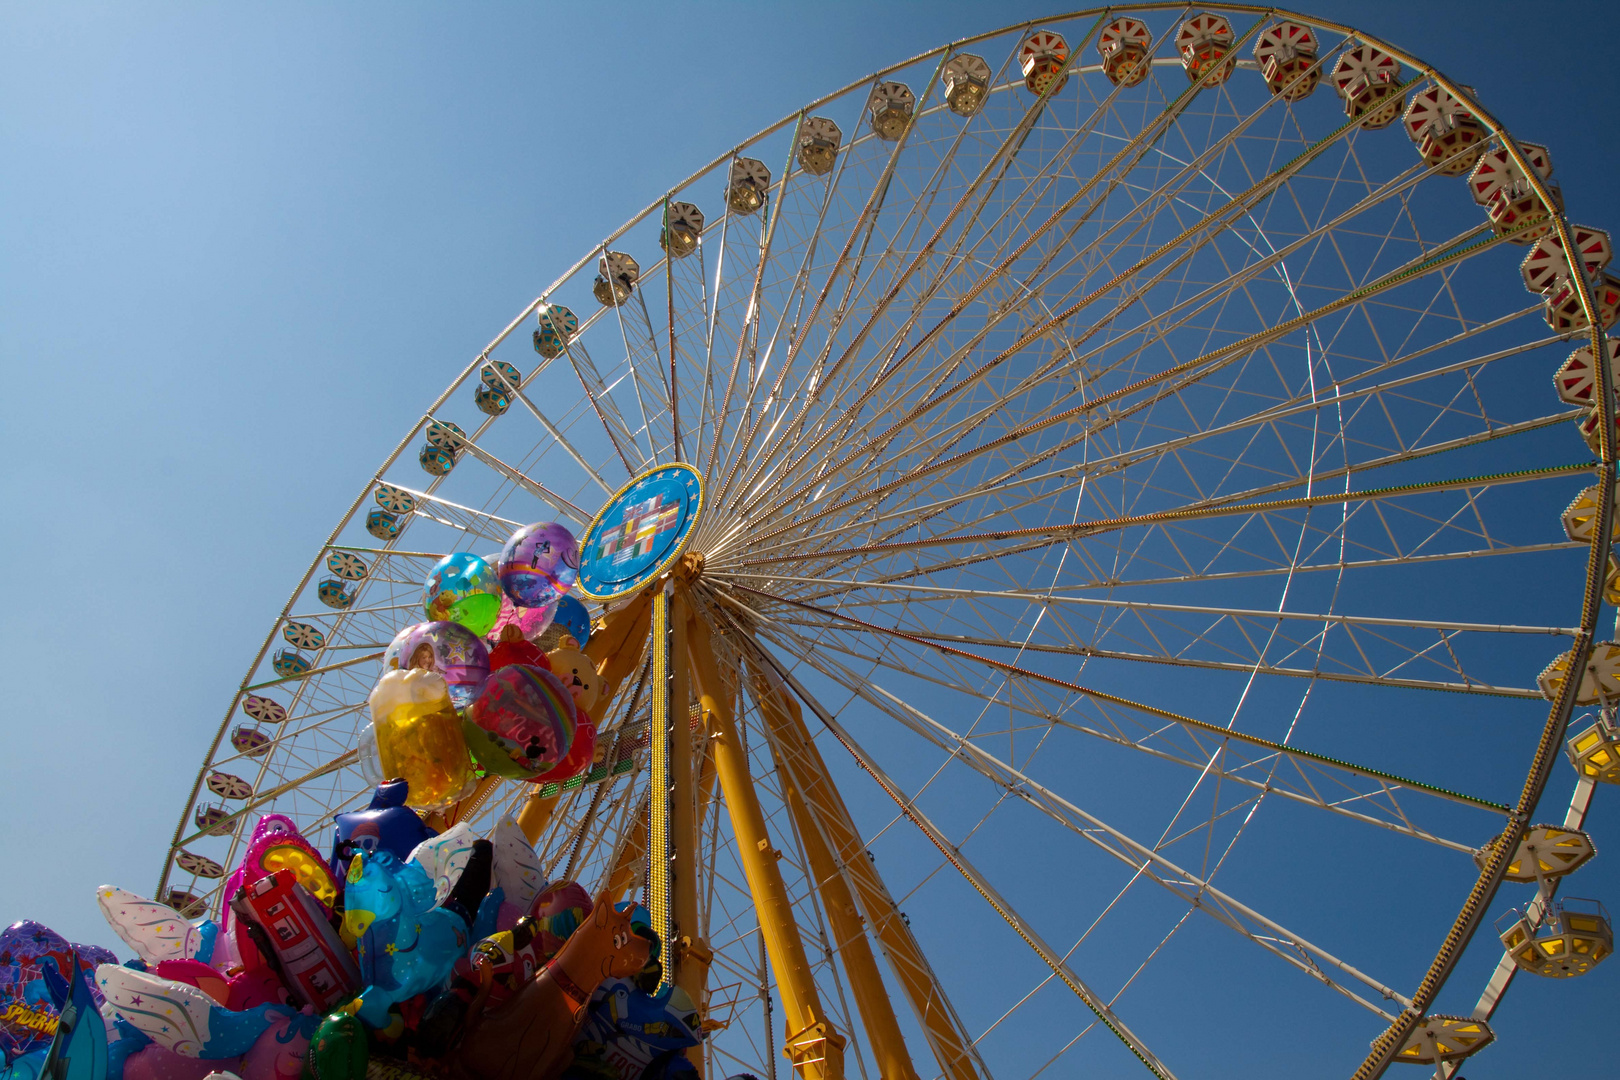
(687, 964)
(814, 1046)
(658, 784)
(849, 936)
(615, 650)
(952, 1047)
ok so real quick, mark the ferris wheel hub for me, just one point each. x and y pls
(641, 532)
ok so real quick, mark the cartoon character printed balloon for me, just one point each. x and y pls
(539, 564)
(450, 649)
(531, 622)
(578, 676)
(462, 589)
(387, 824)
(522, 722)
(28, 951)
(572, 616)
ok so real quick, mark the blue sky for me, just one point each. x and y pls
(243, 246)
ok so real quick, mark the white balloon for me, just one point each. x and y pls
(518, 872)
(444, 857)
(155, 931)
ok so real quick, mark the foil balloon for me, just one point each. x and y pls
(531, 1037)
(572, 617)
(539, 564)
(155, 931)
(629, 1032)
(390, 661)
(418, 735)
(450, 649)
(463, 589)
(530, 621)
(519, 873)
(278, 845)
(578, 675)
(386, 824)
(33, 957)
(189, 1021)
(338, 1049)
(522, 722)
(578, 759)
(558, 910)
(405, 944)
(512, 648)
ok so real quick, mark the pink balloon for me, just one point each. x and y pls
(160, 1063)
(531, 620)
(277, 1055)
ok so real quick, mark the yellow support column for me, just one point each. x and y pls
(658, 781)
(813, 1045)
(849, 934)
(953, 1049)
(615, 650)
(687, 962)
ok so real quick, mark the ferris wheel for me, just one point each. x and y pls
(1110, 496)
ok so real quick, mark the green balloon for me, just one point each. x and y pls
(338, 1050)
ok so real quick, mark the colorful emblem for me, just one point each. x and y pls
(642, 530)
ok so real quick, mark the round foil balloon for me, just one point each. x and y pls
(572, 616)
(522, 722)
(530, 621)
(462, 589)
(539, 564)
(391, 654)
(450, 649)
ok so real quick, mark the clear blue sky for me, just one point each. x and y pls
(242, 246)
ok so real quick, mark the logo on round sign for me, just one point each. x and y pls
(641, 531)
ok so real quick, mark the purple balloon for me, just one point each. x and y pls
(27, 1006)
(539, 564)
(450, 649)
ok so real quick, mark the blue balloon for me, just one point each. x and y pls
(572, 616)
(385, 825)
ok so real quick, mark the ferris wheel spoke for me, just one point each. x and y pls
(556, 433)
(527, 483)
(1114, 170)
(989, 177)
(1238, 635)
(1106, 699)
(1209, 226)
(1192, 889)
(1033, 537)
(1186, 373)
(1302, 780)
(607, 413)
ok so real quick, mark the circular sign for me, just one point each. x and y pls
(641, 531)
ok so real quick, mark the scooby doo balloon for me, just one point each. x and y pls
(418, 735)
(539, 564)
(463, 589)
(522, 722)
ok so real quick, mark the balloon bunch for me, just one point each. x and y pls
(471, 692)
(403, 949)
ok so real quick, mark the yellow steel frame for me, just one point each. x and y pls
(666, 841)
